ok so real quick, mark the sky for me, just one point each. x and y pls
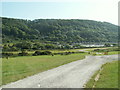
(99, 10)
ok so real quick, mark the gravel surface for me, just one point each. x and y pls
(71, 75)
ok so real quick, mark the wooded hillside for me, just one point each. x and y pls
(58, 30)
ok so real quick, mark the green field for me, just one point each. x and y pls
(113, 52)
(109, 53)
(108, 77)
(56, 51)
(71, 50)
(21, 67)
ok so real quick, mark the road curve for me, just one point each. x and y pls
(71, 75)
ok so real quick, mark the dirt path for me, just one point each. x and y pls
(71, 75)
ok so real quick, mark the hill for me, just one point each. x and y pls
(58, 30)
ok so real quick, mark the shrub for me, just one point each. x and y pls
(42, 53)
(7, 54)
(96, 50)
(107, 45)
(47, 53)
(66, 53)
(37, 53)
(23, 53)
(101, 50)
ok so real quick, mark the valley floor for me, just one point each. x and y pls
(71, 75)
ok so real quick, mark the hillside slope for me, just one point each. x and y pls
(58, 30)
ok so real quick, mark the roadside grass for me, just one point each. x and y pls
(112, 52)
(108, 77)
(20, 67)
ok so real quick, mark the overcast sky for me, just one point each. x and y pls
(100, 10)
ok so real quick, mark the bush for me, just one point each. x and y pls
(100, 50)
(107, 45)
(42, 53)
(66, 53)
(37, 53)
(96, 50)
(47, 53)
(23, 53)
(7, 54)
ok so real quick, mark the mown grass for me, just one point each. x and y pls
(21, 67)
(108, 77)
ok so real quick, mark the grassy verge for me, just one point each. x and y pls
(113, 52)
(21, 67)
(108, 77)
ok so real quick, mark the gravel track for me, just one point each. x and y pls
(71, 75)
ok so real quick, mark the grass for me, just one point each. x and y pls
(21, 67)
(59, 51)
(108, 77)
(113, 52)
(109, 53)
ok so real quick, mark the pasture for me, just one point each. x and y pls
(21, 67)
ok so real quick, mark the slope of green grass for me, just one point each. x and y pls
(21, 67)
(108, 77)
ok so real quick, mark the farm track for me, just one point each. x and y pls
(71, 75)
